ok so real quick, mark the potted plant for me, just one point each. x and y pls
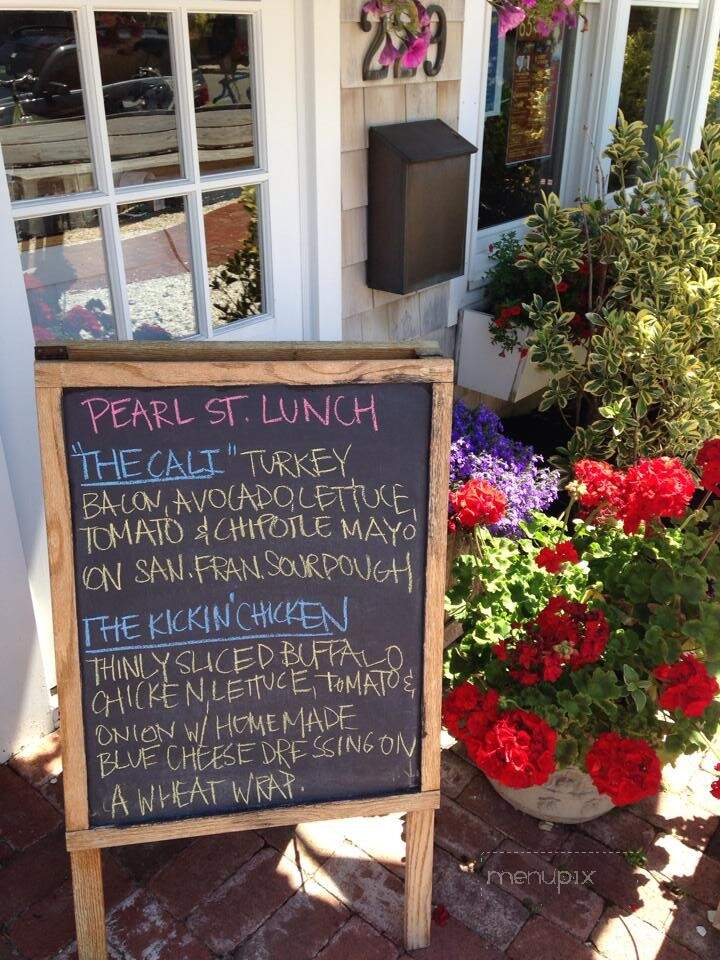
(589, 647)
(650, 256)
(494, 355)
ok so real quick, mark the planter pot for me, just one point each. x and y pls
(481, 368)
(569, 796)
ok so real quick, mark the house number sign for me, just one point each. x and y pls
(374, 68)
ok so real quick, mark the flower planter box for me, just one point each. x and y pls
(481, 367)
(569, 796)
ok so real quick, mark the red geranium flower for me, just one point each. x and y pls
(464, 702)
(476, 501)
(552, 559)
(623, 768)
(656, 488)
(43, 335)
(564, 633)
(688, 687)
(580, 327)
(715, 785)
(708, 459)
(517, 749)
(599, 486)
(563, 286)
(78, 319)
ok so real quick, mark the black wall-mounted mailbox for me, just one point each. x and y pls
(419, 176)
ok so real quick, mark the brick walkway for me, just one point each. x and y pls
(334, 890)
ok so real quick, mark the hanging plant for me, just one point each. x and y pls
(407, 28)
(542, 15)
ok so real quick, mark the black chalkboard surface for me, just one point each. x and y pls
(250, 584)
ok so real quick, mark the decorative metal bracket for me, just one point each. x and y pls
(431, 69)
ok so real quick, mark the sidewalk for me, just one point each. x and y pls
(635, 884)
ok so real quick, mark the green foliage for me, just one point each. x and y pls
(237, 285)
(508, 285)
(647, 383)
(658, 591)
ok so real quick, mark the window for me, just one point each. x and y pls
(135, 150)
(526, 104)
(548, 103)
(648, 66)
(713, 109)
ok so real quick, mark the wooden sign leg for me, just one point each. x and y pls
(87, 882)
(418, 877)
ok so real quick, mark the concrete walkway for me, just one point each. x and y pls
(635, 884)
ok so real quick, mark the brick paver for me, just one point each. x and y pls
(541, 940)
(550, 890)
(357, 938)
(25, 815)
(334, 890)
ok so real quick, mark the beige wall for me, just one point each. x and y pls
(372, 314)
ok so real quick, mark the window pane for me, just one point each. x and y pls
(157, 268)
(139, 94)
(713, 111)
(63, 261)
(526, 104)
(647, 71)
(221, 50)
(233, 250)
(43, 134)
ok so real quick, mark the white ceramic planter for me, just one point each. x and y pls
(481, 368)
(569, 796)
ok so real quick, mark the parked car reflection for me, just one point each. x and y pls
(41, 85)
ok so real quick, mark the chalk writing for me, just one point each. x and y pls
(249, 577)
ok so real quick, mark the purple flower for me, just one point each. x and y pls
(480, 449)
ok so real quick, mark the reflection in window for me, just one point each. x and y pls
(233, 250)
(647, 70)
(63, 261)
(43, 134)
(713, 111)
(157, 268)
(220, 45)
(526, 105)
(139, 95)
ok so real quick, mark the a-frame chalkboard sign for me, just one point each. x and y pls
(247, 553)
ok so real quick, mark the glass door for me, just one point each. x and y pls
(150, 151)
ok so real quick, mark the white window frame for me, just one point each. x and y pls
(594, 94)
(316, 127)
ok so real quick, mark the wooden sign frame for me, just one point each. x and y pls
(232, 364)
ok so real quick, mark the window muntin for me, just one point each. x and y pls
(156, 165)
(526, 104)
(43, 130)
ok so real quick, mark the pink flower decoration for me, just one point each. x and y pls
(509, 18)
(388, 54)
(415, 53)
